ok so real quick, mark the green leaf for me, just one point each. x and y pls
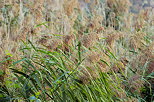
(8, 53)
(37, 93)
(44, 23)
(151, 75)
(5, 60)
(1, 72)
(19, 61)
(1, 95)
(57, 35)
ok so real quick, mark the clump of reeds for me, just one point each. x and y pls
(119, 6)
(144, 19)
(89, 40)
(95, 23)
(69, 6)
(68, 42)
(116, 12)
(137, 41)
(4, 68)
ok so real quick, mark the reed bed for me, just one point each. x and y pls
(76, 51)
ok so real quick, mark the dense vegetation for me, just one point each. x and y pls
(76, 51)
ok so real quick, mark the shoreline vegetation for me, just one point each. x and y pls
(76, 51)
